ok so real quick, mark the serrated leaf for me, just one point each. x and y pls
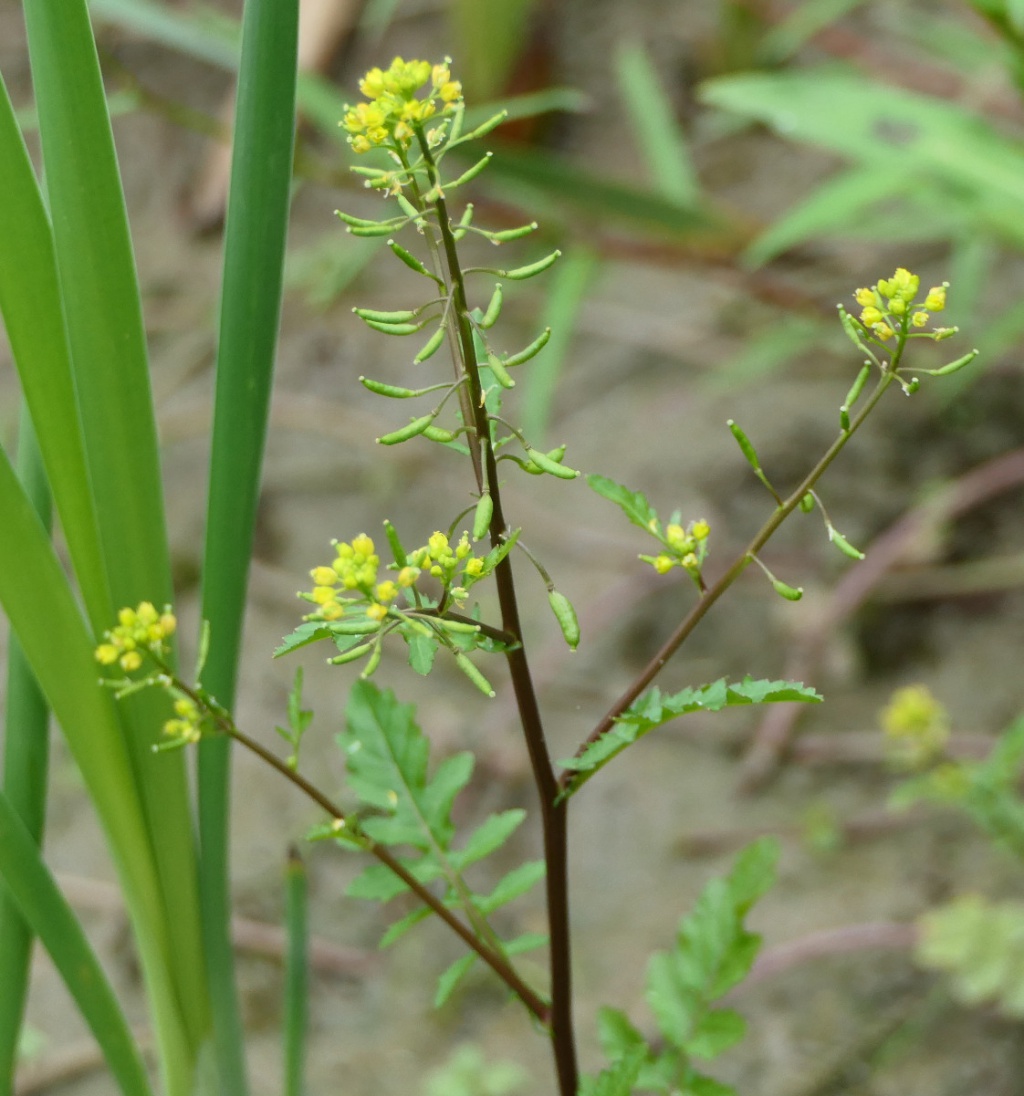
(697, 1084)
(633, 504)
(617, 1033)
(447, 981)
(653, 709)
(517, 882)
(379, 884)
(422, 650)
(712, 954)
(617, 1079)
(309, 631)
(386, 758)
(487, 837)
(527, 941)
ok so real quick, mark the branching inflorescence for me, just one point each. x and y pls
(413, 116)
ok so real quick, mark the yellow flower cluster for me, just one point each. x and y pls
(352, 579)
(395, 110)
(686, 548)
(137, 630)
(188, 727)
(888, 304)
(916, 726)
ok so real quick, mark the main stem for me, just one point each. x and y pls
(554, 817)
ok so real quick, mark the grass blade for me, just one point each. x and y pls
(255, 232)
(26, 761)
(296, 997)
(41, 903)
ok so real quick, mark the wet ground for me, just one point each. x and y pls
(653, 372)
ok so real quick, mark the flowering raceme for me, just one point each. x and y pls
(395, 107)
(886, 305)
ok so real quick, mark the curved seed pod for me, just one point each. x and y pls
(953, 367)
(431, 346)
(853, 332)
(411, 261)
(844, 545)
(790, 593)
(520, 273)
(395, 328)
(373, 661)
(395, 391)
(505, 234)
(459, 627)
(557, 454)
(417, 426)
(565, 614)
(438, 433)
(371, 230)
(353, 654)
(530, 351)
(481, 130)
(402, 316)
(482, 517)
(489, 318)
(395, 544)
(364, 222)
(474, 675)
(744, 443)
(497, 367)
(553, 468)
(857, 387)
(364, 627)
(434, 193)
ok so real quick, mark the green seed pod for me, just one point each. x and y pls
(844, 419)
(457, 116)
(373, 661)
(480, 131)
(790, 593)
(397, 550)
(557, 454)
(844, 545)
(552, 467)
(853, 331)
(745, 447)
(391, 390)
(530, 351)
(362, 627)
(858, 386)
(438, 433)
(465, 177)
(411, 261)
(363, 222)
(489, 318)
(807, 503)
(431, 346)
(353, 654)
(368, 231)
(482, 517)
(474, 675)
(407, 207)
(395, 328)
(402, 316)
(497, 367)
(459, 627)
(520, 273)
(417, 426)
(565, 614)
(505, 234)
(955, 367)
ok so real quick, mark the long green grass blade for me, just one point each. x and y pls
(33, 314)
(102, 311)
(30, 884)
(58, 647)
(26, 761)
(255, 233)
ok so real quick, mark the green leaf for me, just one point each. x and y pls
(517, 882)
(422, 650)
(653, 710)
(617, 1079)
(447, 982)
(487, 837)
(379, 883)
(309, 631)
(633, 504)
(712, 954)
(617, 1034)
(400, 927)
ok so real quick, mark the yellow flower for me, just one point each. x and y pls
(107, 654)
(131, 661)
(407, 576)
(362, 545)
(870, 316)
(377, 612)
(386, 591)
(324, 576)
(865, 297)
(664, 564)
(936, 299)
